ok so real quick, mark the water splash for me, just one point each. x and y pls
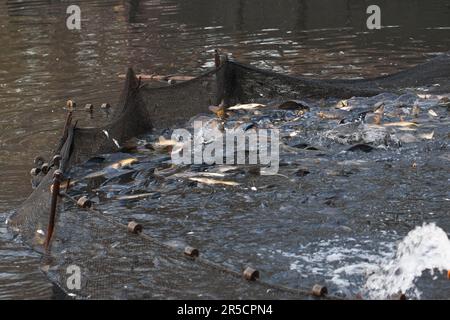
(425, 248)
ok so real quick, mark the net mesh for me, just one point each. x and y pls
(148, 268)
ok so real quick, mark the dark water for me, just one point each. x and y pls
(42, 64)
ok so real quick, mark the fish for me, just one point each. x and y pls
(123, 163)
(379, 108)
(343, 105)
(129, 146)
(197, 174)
(164, 173)
(214, 181)
(212, 174)
(427, 136)
(432, 113)
(415, 111)
(227, 168)
(373, 118)
(166, 142)
(111, 169)
(360, 147)
(96, 174)
(332, 114)
(401, 124)
(116, 143)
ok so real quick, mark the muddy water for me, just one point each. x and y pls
(42, 64)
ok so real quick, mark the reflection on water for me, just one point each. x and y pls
(42, 64)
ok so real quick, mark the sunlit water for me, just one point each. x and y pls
(42, 64)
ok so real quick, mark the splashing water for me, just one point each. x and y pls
(424, 248)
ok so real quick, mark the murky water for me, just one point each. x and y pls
(42, 64)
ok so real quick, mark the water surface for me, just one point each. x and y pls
(42, 64)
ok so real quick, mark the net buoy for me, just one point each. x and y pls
(319, 291)
(84, 202)
(191, 252)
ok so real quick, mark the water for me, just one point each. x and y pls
(42, 65)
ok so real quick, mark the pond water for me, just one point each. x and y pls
(42, 64)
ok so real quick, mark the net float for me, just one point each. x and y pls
(250, 274)
(35, 171)
(56, 160)
(45, 167)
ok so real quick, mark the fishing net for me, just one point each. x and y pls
(94, 241)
